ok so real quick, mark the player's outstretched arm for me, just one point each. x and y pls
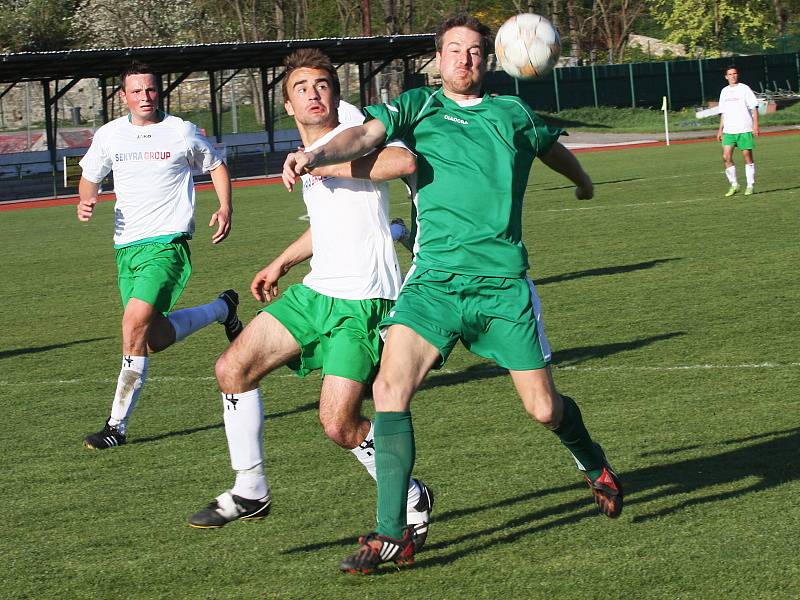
(221, 179)
(265, 284)
(348, 145)
(563, 161)
(87, 190)
(385, 164)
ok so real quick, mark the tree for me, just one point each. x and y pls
(707, 26)
(110, 23)
(36, 25)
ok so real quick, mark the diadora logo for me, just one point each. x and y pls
(232, 399)
(456, 120)
(144, 136)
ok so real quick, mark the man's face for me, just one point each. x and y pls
(732, 76)
(311, 99)
(461, 61)
(140, 94)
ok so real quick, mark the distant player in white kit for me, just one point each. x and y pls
(152, 155)
(738, 124)
(330, 321)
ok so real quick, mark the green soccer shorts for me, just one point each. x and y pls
(341, 337)
(155, 273)
(743, 141)
(495, 317)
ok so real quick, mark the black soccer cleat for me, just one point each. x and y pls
(228, 507)
(418, 516)
(607, 489)
(233, 325)
(377, 549)
(108, 437)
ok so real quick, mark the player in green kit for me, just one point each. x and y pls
(468, 282)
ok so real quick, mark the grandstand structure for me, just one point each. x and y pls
(66, 68)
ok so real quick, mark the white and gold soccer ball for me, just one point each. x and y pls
(527, 46)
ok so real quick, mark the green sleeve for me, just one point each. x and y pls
(400, 115)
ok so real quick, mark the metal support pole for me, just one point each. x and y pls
(633, 92)
(104, 104)
(362, 94)
(702, 83)
(797, 67)
(555, 85)
(268, 112)
(212, 85)
(669, 93)
(594, 87)
(50, 132)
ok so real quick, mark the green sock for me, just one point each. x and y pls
(394, 460)
(572, 433)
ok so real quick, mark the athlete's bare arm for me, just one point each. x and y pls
(350, 144)
(265, 284)
(382, 165)
(221, 179)
(564, 162)
(87, 190)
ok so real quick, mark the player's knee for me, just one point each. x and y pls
(339, 432)
(228, 372)
(388, 396)
(544, 410)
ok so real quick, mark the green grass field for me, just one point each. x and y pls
(673, 313)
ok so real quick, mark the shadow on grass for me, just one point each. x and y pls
(766, 461)
(570, 186)
(600, 271)
(38, 349)
(565, 358)
(267, 417)
(774, 190)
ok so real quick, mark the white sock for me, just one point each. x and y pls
(188, 320)
(750, 174)
(365, 453)
(129, 386)
(244, 418)
(730, 173)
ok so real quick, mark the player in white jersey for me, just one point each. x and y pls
(330, 322)
(152, 155)
(738, 124)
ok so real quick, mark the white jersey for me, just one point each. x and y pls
(152, 167)
(348, 113)
(735, 103)
(354, 255)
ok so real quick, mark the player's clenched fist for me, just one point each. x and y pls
(296, 164)
(86, 209)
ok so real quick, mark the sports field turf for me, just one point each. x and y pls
(674, 315)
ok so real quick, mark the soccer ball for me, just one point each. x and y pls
(527, 46)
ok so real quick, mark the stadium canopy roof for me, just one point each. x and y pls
(107, 63)
(67, 67)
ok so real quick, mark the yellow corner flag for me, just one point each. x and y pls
(664, 103)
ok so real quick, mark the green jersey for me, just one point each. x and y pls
(473, 162)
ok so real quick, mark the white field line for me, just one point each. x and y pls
(588, 369)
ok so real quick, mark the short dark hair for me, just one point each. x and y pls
(309, 58)
(470, 22)
(729, 67)
(135, 68)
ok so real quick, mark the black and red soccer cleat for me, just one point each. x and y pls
(607, 490)
(377, 549)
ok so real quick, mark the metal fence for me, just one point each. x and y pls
(685, 83)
